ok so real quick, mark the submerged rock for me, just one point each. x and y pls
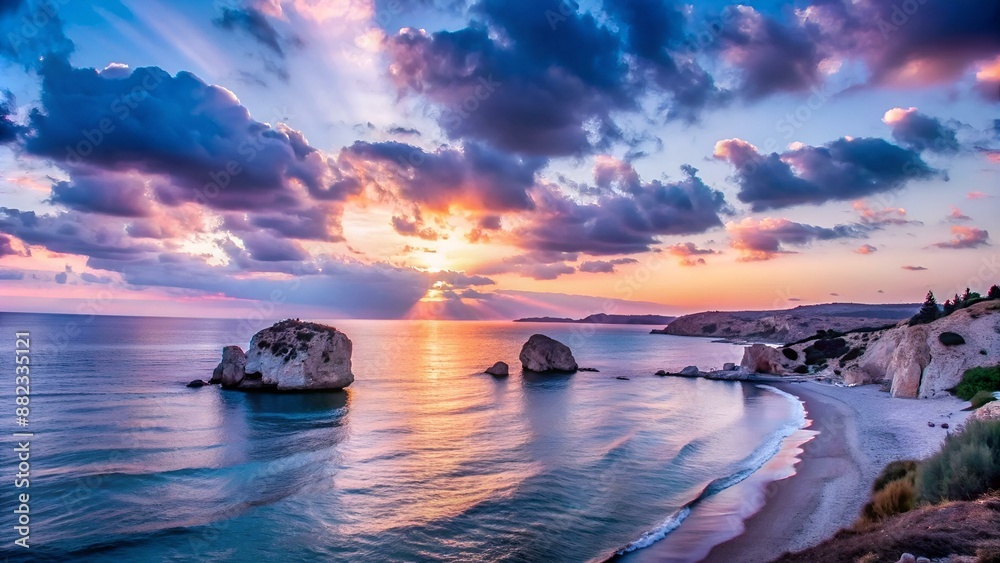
(299, 356)
(543, 354)
(499, 369)
(196, 384)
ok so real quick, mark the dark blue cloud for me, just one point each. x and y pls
(921, 132)
(192, 141)
(32, 30)
(8, 108)
(475, 177)
(254, 23)
(97, 191)
(627, 218)
(845, 169)
(771, 56)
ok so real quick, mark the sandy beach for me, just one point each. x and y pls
(860, 431)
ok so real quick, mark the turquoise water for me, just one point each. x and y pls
(423, 458)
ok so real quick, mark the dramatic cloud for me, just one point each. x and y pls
(32, 30)
(763, 239)
(93, 190)
(866, 249)
(845, 169)
(71, 233)
(474, 177)
(771, 56)
(966, 237)
(656, 38)
(627, 217)
(545, 78)
(689, 254)
(920, 132)
(915, 43)
(196, 141)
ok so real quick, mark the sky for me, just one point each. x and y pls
(491, 159)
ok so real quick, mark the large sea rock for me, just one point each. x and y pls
(543, 354)
(290, 356)
(761, 358)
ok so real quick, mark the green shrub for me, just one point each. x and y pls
(967, 466)
(978, 379)
(981, 398)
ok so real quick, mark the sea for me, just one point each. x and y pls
(423, 458)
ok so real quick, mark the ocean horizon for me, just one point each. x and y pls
(424, 457)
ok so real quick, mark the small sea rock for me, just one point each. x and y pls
(197, 383)
(498, 369)
(588, 369)
(690, 370)
(660, 372)
(622, 377)
(729, 366)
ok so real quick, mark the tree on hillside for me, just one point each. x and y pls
(994, 292)
(928, 312)
(969, 296)
(948, 307)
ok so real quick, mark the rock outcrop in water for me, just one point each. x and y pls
(290, 356)
(231, 371)
(543, 354)
(498, 369)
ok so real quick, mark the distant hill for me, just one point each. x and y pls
(788, 325)
(604, 319)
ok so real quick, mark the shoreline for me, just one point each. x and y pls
(858, 433)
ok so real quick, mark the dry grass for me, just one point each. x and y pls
(970, 528)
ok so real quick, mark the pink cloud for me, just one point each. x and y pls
(965, 237)
(866, 249)
(689, 254)
(956, 215)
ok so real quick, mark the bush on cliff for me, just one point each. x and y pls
(978, 379)
(967, 466)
